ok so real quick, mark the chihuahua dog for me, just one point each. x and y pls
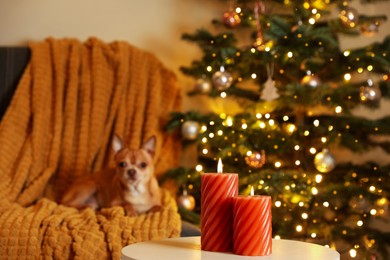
(130, 184)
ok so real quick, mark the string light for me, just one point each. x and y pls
(352, 253)
(347, 77)
(223, 94)
(199, 168)
(299, 228)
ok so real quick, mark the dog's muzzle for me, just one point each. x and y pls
(132, 174)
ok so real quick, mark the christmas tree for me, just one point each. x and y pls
(297, 93)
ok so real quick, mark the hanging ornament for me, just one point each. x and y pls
(202, 85)
(186, 201)
(324, 161)
(256, 159)
(311, 80)
(370, 92)
(369, 29)
(231, 19)
(222, 79)
(269, 92)
(259, 8)
(349, 17)
(190, 130)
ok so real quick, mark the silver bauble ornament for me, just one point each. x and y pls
(203, 86)
(222, 79)
(370, 92)
(369, 29)
(186, 201)
(324, 161)
(349, 17)
(311, 80)
(190, 130)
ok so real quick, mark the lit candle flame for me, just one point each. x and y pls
(252, 191)
(219, 166)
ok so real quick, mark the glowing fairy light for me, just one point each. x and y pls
(372, 188)
(238, 10)
(211, 135)
(346, 53)
(289, 54)
(353, 253)
(203, 128)
(316, 123)
(262, 125)
(318, 178)
(297, 162)
(324, 139)
(305, 215)
(205, 151)
(314, 191)
(325, 204)
(278, 164)
(338, 109)
(253, 76)
(312, 150)
(267, 116)
(347, 76)
(285, 118)
(312, 20)
(209, 68)
(223, 94)
(220, 133)
(277, 237)
(296, 147)
(271, 122)
(306, 133)
(370, 67)
(313, 235)
(299, 228)
(301, 204)
(373, 212)
(199, 168)
(359, 223)
(278, 204)
(204, 140)
(259, 116)
(244, 126)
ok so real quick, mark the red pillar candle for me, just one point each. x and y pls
(252, 225)
(217, 190)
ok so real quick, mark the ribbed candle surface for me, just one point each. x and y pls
(252, 225)
(217, 190)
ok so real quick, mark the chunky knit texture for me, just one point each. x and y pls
(71, 99)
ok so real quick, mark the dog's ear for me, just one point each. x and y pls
(150, 145)
(117, 143)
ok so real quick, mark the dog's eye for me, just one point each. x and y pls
(122, 164)
(143, 165)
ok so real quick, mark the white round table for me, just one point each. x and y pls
(188, 248)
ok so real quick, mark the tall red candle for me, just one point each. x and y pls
(217, 190)
(252, 225)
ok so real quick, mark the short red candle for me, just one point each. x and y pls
(252, 225)
(217, 190)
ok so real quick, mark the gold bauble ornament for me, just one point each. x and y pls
(186, 201)
(203, 86)
(256, 159)
(349, 17)
(231, 19)
(324, 161)
(311, 80)
(190, 130)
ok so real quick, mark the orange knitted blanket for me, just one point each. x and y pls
(70, 100)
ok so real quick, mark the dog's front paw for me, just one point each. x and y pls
(155, 208)
(129, 210)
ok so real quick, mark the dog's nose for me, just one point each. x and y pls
(131, 173)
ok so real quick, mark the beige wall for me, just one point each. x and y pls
(154, 25)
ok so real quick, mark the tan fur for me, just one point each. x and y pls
(131, 184)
